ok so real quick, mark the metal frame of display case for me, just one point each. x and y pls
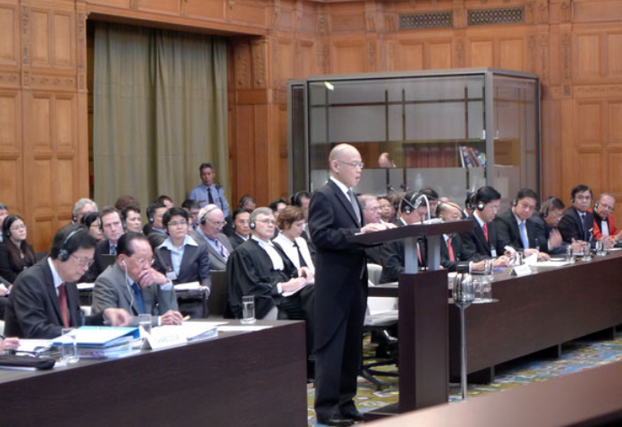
(300, 167)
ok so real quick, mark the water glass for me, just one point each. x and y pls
(587, 252)
(145, 322)
(489, 265)
(600, 248)
(69, 348)
(248, 310)
(570, 254)
(519, 259)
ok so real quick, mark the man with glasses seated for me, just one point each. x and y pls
(260, 268)
(132, 284)
(45, 298)
(211, 221)
(577, 223)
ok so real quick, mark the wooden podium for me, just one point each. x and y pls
(423, 317)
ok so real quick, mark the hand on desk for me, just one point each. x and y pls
(555, 239)
(171, 317)
(370, 228)
(293, 284)
(502, 261)
(117, 316)
(9, 344)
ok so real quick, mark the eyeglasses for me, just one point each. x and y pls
(142, 261)
(267, 221)
(84, 262)
(23, 227)
(355, 165)
(177, 224)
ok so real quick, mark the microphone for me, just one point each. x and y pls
(392, 190)
(404, 187)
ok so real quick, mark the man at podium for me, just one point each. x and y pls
(340, 289)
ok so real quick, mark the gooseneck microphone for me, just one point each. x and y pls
(392, 190)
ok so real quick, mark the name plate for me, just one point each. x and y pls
(521, 270)
(165, 336)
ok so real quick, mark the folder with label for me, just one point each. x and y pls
(101, 337)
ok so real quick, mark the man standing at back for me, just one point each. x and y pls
(341, 288)
(208, 193)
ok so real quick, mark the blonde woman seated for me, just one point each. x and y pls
(291, 223)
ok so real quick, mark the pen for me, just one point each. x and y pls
(186, 318)
(2, 336)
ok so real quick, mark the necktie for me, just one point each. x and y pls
(301, 260)
(586, 227)
(419, 256)
(138, 296)
(113, 249)
(485, 228)
(355, 205)
(223, 251)
(210, 199)
(62, 302)
(523, 235)
(450, 250)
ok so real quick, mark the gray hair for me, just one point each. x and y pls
(261, 211)
(82, 203)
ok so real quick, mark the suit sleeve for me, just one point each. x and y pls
(504, 236)
(567, 227)
(6, 265)
(29, 305)
(104, 295)
(204, 266)
(392, 256)
(324, 235)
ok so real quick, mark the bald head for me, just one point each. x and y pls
(345, 164)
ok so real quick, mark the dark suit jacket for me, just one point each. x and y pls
(8, 269)
(341, 267)
(194, 265)
(235, 241)
(571, 228)
(508, 233)
(459, 258)
(34, 311)
(474, 241)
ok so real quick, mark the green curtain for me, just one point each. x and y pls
(160, 110)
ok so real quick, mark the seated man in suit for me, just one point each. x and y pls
(604, 222)
(45, 298)
(452, 255)
(133, 285)
(387, 210)
(241, 219)
(546, 222)
(371, 211)
(182, 259)
(577, 223)
(481, 242)
(515, 228)
(211, 221)
(393, 252)
(155, 213)
(113, 227)
(258, 267)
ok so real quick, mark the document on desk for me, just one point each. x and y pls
(35, 347)
(289, 294)
(551, 264)
(191, 286)
(102, 337)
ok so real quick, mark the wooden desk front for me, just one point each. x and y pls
(237, 379)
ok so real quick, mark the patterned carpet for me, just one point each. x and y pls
(576, 356)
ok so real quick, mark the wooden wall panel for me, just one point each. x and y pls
(615, 124)
(40, 37)
(63, 40)
(614, 59)
(9, 124)
(440, 55)
(614, 160)
(204, 9)
(9, 39)
(511, 54)
(588, 54)
(589, 123)
(409, 56)
(481, 53)
(349, 57)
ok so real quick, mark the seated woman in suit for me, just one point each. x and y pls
(94, 224)
(181, 259)
(291, 223)
(15, 253)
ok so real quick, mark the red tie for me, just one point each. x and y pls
(450, 249)
(485, 228)
(62, 301)
(419, 255)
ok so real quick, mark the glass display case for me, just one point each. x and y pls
(452, 130)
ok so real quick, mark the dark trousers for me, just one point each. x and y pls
(300, 306)
(337, 364)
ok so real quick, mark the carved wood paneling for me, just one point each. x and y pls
(9, 34)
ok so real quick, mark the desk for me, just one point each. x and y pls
(538, 312)
(237, 379)
(588, 398)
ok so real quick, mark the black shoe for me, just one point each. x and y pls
(336, 420)
(353, 415)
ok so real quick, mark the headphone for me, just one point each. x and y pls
(203, 218)
(546, 206)
(296, 197)
(9, 219)
(514, 202)
(409, 207)
(252, 225)
(74, 219)
(63, 254)
(480, 204)
(596, 205)
(150, 218)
